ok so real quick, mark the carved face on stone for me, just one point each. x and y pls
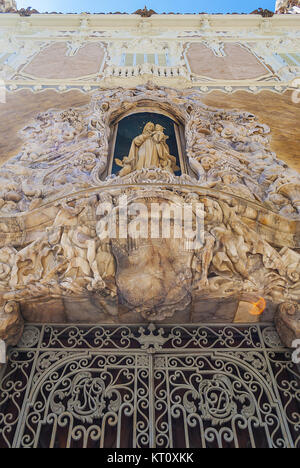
(159, 128)
(213, 211)
(207, 163)
(149, 128)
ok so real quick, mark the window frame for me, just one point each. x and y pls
(178, 130)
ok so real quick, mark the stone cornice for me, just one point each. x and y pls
(123, 21)
(204, 87)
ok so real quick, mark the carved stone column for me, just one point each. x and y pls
(287, 321)
(11, 325)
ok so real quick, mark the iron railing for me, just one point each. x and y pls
(183, 386)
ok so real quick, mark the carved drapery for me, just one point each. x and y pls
(52, 253)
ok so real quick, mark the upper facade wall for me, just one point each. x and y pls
(208, 52)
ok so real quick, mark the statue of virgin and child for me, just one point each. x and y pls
(148, 150)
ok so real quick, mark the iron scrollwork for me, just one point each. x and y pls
(131, 386)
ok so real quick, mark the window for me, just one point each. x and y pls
(131, 60)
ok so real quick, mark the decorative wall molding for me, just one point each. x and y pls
(115, 21)
(179, 81)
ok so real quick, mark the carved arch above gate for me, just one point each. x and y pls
(49, 245)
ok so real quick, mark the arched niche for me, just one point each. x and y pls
(129, 124)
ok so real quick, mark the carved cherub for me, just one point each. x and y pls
(202, 165)
(233, 185)
(204, 257)
(235, 249)
(127, 165)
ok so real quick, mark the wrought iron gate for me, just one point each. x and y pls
(130, 386)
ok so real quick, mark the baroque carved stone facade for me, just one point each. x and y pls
(55, 265)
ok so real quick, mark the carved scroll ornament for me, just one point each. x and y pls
(287, 320)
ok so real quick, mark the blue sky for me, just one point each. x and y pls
(176, 6)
